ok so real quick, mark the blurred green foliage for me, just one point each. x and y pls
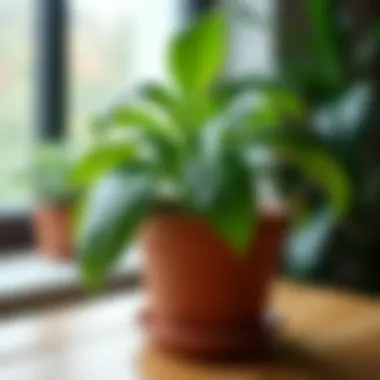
(50, 175)
(332, 69)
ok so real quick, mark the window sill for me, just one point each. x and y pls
(29, 282)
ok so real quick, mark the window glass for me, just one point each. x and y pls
(253, 43)
(17, 48)
(112, 45)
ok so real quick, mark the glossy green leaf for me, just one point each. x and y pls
(102, 159)
(187, 114)
(144, 119)
(234, 211)
(320, 167)
(310, 81)
(221, 189)
(285, 104)
(164, 139)
(283, 136)
(197, 55)
(112, 214)
(229, 89)
(257, 120)
(270, 101)
(310, 155)
(274, 108)
(49, 174)
(326, 44)
(164, 98)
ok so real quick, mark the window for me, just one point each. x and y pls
(112, 45)
(253, 42)
(17, 51)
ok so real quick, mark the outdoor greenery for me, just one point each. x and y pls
(49, 175)
(190, 140)
(98, 44)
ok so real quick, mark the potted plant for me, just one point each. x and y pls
(180, 175)
(54, 202)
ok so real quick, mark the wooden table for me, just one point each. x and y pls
(323, 334)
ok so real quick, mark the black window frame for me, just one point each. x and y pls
(52, 69)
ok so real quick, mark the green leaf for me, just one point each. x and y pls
(50, 174)
(228, 90)
(267, 101)
(186, 114)
(283, 136)
(197, 55)
(102, 159)
(165, 140)
(164, 98)
(222, 191)
(315, 69)
(323, 23)
(320, 167)
(256, 120)
(145, 119)
(161, 132)
(234, 211)
(311, 156)
(113, 212)
(285, 104)
(308, 79)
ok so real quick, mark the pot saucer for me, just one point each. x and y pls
(251, 341)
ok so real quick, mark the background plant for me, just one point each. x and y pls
(49, 175)
(332, 71)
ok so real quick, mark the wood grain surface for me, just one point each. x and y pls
(322, 334)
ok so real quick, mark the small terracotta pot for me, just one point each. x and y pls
(205, 302)
(53, 231)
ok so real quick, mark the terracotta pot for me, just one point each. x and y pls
(204, 301)
(53, 231)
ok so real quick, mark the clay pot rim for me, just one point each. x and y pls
(170, 207)
(40, 202)
(51, 205)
